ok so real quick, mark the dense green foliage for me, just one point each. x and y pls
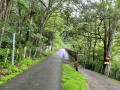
(37, 27)
(37, 33)
(72, 80)
(11, 71)
(95, 34)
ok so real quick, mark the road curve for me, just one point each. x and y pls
(97, 81)
(44, 76)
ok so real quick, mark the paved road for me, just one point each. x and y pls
(97, 81)
(44, 76)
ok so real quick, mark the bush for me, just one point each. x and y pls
(9, 77)
(81, 66)
(24, 67)
(26, 61)
(5, 71)
(9, 66)
(2, 54)
(36, 61)
(15, 69)
(9, 72)
(4, 79)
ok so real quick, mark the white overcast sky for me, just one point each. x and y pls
(76, 13)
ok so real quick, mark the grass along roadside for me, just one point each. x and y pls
(8, 71)
(73, 80)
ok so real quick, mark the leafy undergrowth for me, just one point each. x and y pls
(9, 71)
(73, 80)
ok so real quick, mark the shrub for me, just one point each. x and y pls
(14, 69)
(9, 72)
(9, 77)
(5, 71)
(26, 61)
(4, 79)
(9, 66)
(24, 67)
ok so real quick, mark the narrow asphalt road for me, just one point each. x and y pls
(44, 76)
(97, 81)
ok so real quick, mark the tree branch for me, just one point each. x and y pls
(84, 35)
(99, 29)
(43, 3)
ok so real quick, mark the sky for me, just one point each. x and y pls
(76, 14)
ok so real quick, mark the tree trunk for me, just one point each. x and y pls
(76, 62)
(27, 34)
(5, 21)
(115, 74)
(109, 47)
(19, 31)
(41, 25)
(35, 52)
(2, 7)
(105, 47)
(52, 47)
(89, 40)
(49, 50)
(95, 42)
(25, 44)
(6, 56)
(30, 52)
